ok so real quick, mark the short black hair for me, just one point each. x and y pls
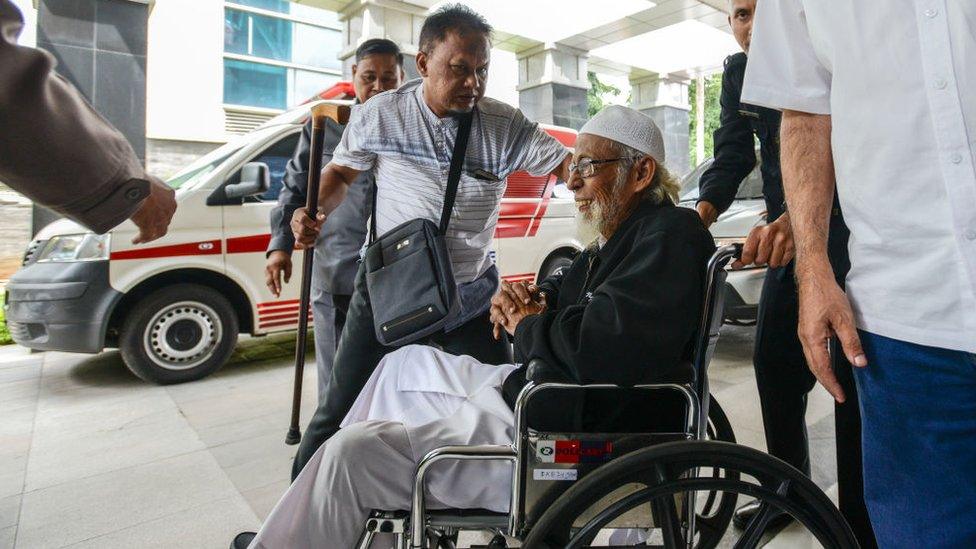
(380, 46)
(451, 18)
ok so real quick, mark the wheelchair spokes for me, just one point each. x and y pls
(668, 473)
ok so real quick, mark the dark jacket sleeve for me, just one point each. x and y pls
(735, 149)
(54, 148)
(644, 313)
(550, 286)
(292, 195)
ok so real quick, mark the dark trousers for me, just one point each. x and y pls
(784, 380)
(359, 352)
(329, 311)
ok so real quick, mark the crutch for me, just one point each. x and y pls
(340, 114)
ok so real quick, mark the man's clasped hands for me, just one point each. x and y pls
(513, 302)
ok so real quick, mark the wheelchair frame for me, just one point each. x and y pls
(695, 393)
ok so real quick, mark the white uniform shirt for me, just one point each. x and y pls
(410, 149)
(899, 80)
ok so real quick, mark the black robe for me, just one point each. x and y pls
(626, 314)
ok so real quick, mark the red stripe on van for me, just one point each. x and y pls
(518, 209)
(248, 244)
(208, 247)
(267, 304)
(292, 322)
(512, 228)
(278, 316)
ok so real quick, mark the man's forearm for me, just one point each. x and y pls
(808, 180)
(333, 183)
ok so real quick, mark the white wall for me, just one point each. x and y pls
(28, 36)
(185, 75)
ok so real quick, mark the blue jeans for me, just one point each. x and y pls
(918, 413)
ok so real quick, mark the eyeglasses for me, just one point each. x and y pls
(587, 166)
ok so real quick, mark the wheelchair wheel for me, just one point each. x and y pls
(673, 469)
(714, 509)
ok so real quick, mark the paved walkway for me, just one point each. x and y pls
(92, 457)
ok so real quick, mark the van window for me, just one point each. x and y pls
(276, 157)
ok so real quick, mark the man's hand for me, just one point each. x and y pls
(824, 312)
(155, 213)
(771, 244)
(279, 262)
(707, 212)
(305, 229)
(512, 303)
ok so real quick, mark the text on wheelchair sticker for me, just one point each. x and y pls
(554, 474)
(573, 451)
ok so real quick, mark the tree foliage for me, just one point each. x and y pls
(713, 110)
(596, 96)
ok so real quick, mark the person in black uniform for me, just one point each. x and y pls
(782, 375)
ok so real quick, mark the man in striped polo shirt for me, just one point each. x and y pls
(406, 137)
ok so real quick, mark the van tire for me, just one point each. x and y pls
(179, 333)
(560, 259)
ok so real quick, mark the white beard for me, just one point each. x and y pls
(588, 226)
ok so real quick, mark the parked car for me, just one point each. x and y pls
(748, 210)
(175, 307)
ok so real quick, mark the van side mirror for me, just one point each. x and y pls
(255, 179)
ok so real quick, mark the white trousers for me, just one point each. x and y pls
(418, 399)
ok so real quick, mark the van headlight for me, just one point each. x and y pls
(75, 247)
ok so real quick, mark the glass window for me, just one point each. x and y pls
(271, 38)
(257, 35)
(236, 24)
(276, 157)
(316, 47)
(307, 84)
(254, 84)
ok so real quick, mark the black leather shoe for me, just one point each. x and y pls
(745, 514)
(243, 540)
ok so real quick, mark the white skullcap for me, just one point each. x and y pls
(629, 127)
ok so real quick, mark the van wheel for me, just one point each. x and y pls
(178, 334)
(555, 263)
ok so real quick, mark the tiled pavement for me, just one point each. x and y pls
(90, 456)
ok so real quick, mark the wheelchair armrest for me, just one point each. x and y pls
(540, 371)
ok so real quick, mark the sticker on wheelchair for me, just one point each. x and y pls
(573, 451)
(555, 474)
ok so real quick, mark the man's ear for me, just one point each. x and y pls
(646, 167)
(354, 68)
(422, 63)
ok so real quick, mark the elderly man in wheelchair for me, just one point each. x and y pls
(612, 355)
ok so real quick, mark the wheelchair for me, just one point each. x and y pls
(672, 488)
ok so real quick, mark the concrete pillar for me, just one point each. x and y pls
(100, 46)
(666, 101)
(391, 19)
(553, 84)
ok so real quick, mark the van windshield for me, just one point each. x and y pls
(203, 166)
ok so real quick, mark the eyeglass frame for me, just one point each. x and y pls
(590, 163)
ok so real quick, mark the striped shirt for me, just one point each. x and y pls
(409, 148)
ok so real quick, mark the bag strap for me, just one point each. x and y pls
(457, 161)
(372, 215)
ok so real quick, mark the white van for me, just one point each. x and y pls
(175, 307)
